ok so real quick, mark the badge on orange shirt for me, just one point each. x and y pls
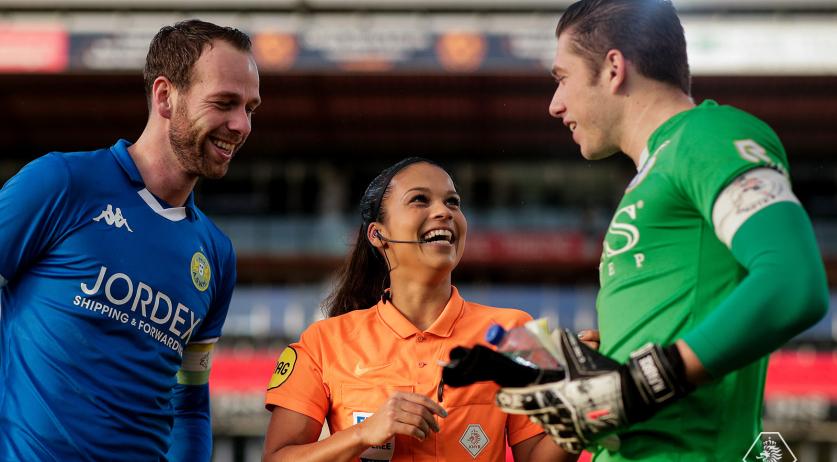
(284, 367)
(474, 440)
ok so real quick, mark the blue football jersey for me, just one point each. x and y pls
(103, 285)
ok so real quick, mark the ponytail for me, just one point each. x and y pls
(360, 280)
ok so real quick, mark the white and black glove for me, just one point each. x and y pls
(598, 396)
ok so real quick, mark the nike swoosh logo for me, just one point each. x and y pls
(359, 370)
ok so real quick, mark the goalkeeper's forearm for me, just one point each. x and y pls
(785, 292)
(696, 373)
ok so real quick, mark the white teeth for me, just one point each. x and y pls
(223, 145)
(572, 126)
(438, 232)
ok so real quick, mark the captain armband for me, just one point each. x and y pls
(197, 360)
(748, 193)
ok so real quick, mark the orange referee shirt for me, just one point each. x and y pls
(344, 368)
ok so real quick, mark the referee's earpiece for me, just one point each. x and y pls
(382, 242)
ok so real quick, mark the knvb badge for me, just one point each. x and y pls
(474, 440)
(769, 447)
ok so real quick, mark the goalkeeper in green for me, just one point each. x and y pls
(709, 263)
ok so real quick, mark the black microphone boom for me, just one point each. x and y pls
(385, 239)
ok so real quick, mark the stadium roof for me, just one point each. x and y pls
(396, 5)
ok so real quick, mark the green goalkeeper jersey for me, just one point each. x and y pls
(663, 269)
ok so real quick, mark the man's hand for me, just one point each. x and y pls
(598, 396)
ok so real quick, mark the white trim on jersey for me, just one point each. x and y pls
(173, 214)
(206, 340)
(750, 192)
(643, 158)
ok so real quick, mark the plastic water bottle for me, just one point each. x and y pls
(528, 344)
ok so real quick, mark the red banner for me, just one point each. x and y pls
(33, 48)
(529, 247)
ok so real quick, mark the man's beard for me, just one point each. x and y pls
(187, 142)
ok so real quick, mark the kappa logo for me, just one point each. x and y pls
(113, 218)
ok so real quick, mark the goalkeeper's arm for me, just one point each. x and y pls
(784, 293)
(785, 290)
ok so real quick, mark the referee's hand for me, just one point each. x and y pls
(409, 414)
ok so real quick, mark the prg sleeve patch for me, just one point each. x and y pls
(284, 366)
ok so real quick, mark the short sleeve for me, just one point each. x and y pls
(297, 380)
(210, 331)
(719, 145)
(520, 429)
(33, 205)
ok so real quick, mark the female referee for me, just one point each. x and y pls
(372, 368)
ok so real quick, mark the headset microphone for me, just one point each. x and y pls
(381, 237)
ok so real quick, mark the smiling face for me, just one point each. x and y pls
(422, 204)
(211, 118)
(583, 102)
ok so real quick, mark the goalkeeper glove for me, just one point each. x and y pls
(598, 396)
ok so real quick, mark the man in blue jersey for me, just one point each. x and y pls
(115, 285)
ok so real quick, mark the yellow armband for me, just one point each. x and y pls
(197, 360)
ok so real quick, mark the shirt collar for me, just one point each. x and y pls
(442, 327)
(120, 151)
(123, 158)
(643, 158)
